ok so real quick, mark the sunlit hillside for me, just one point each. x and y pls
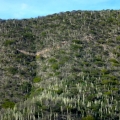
(64, 66)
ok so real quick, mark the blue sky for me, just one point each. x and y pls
(19, 9)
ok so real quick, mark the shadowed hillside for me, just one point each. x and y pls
(63, 66)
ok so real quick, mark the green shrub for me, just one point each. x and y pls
(52, 60)
(86, 63)
(110, 82)
(100, 63)
(59, 91)
(61, 52)
(43, 34)
(63, 59)
(91, 97)
(106, 52)
(37, 57)
(12, 70)
(105, 71)
(76, 46)
(110, 20)
(77, 41)
(118, 38)
(115, 64)
(108, 93)
(28, 35)
(26, 87)
(101, 41)
(96, 107)
(73, 91)
(9, 42)
(97, 58)
(113, 60)
(37, 79)
(55, 66)
(35, 92)
(8, 104)
(93, 32)
(78, 55)
(57, 73)
(89, 117)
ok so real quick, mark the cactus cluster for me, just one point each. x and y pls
(77, 78)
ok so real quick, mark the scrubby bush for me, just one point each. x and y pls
(89, 117)
(8, 104)
(37, 79)
(9, 42)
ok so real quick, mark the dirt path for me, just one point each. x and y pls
(46, 50)
(42, 52)
(26, 53)
(37, 53)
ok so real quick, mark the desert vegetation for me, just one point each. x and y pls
(64, 66)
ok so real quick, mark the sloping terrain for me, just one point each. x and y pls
(63, 66)
(17, 69)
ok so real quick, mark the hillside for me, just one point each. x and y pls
(64, 66)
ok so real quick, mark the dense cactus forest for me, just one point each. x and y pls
(64, 66)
